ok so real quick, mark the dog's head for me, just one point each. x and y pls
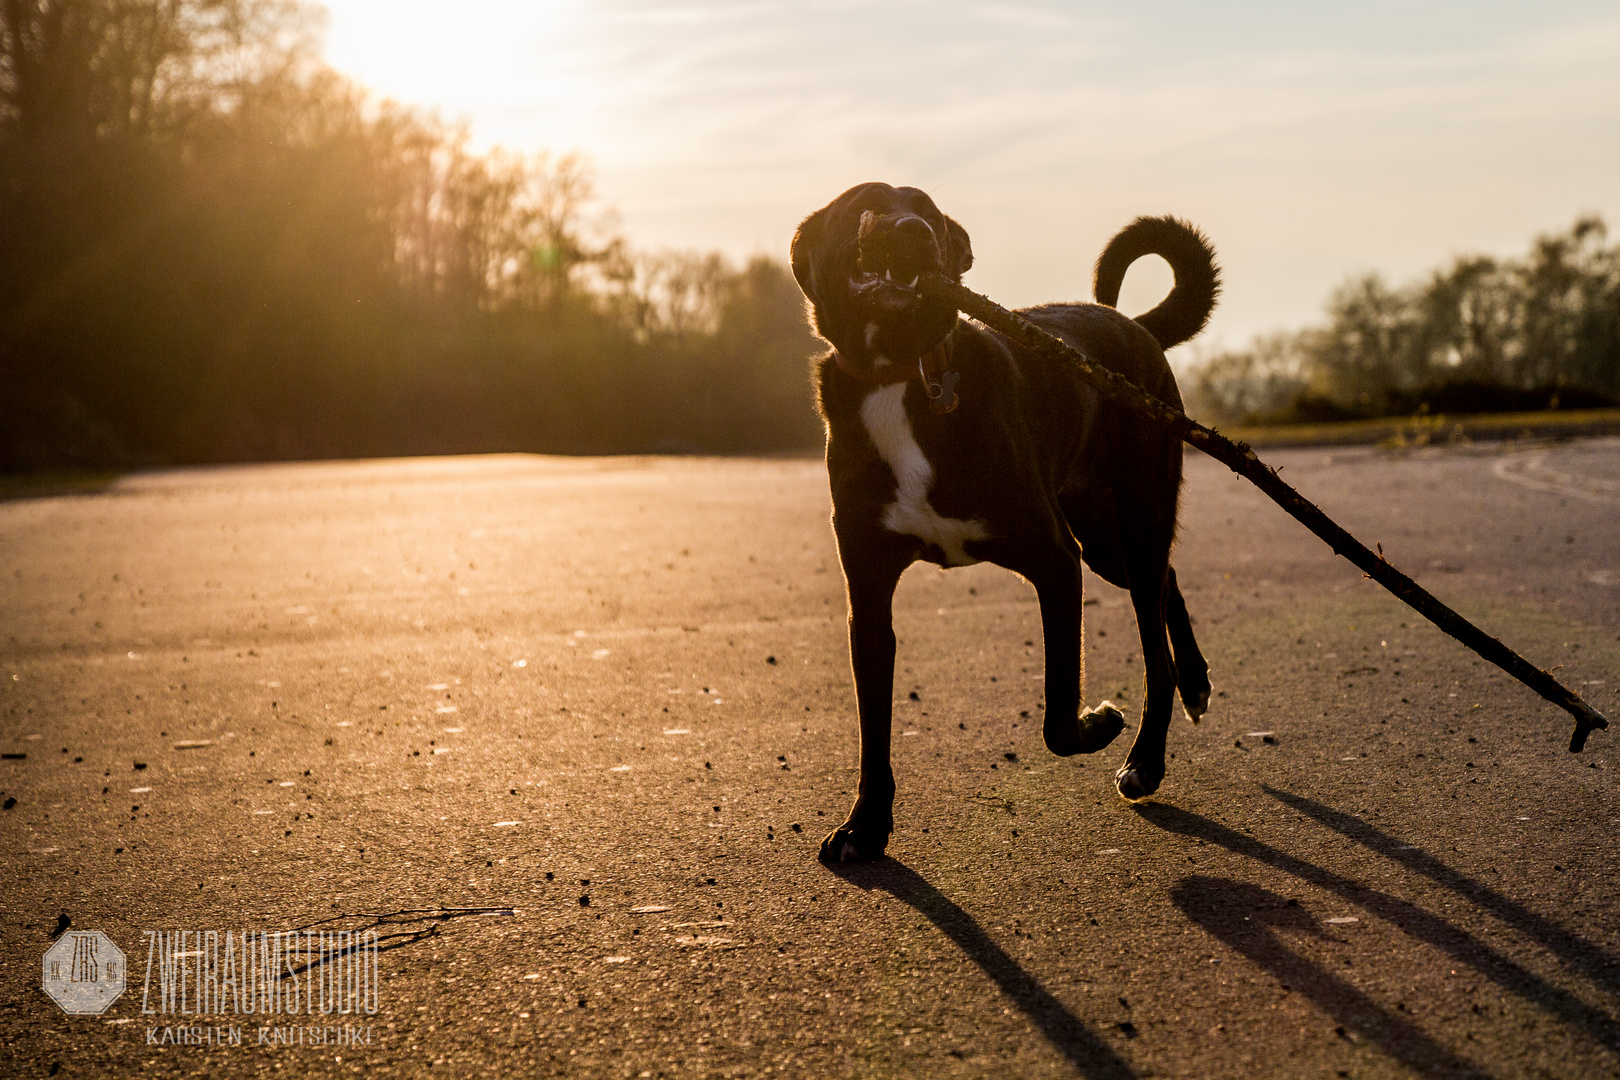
(858, 259)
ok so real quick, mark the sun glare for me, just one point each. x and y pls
(1309, 147)
(508, 66)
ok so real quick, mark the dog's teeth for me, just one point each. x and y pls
(914, 281)
(887, 276)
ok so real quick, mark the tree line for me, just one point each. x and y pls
(1480, 335)
(215, 248)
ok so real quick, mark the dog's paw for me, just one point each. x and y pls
(1196, 704)
(1136, 782)
(1090, 732)
(851, 843)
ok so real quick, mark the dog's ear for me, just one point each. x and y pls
(958, 250)
(806, 242)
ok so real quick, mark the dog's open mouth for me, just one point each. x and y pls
(892, 254)
(885, 290)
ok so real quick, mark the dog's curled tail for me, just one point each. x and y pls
(1191, 256)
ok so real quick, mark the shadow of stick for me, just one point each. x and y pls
(1415, 921)
(1066, 1032)
(1246, 918)
(1581, 955)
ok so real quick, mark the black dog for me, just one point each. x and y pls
(948, 443)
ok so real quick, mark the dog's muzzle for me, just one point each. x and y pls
(884, 291)
(894, 252)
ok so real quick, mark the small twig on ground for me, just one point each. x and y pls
(438, 914)
(1241, 459)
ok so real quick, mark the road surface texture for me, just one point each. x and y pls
(612, 696)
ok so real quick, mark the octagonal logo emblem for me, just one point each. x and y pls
(84, 972)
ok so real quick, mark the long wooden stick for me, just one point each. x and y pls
(1241, 459)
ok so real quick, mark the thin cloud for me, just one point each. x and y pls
(1311, 143)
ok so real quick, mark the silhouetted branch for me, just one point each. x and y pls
(1241, 459)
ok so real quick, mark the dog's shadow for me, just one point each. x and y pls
(1575, 951)
(1089, 1054)
(1194, 897)
(1253, 921)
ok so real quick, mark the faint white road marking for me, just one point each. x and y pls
(1532, 471)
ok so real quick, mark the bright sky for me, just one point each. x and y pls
(1312, 141)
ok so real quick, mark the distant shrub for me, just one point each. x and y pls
(1483, 335)
(217, 249)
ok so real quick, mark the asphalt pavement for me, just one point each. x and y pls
(553, 742)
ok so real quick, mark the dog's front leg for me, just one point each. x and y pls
(1066, 729)
(872, 567)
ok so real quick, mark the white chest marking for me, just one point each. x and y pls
(884, 414)
(878, 359)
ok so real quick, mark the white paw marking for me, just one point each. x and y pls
(884, 414)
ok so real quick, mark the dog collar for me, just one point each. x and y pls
(938, 383)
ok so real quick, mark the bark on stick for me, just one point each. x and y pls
(1241, 459)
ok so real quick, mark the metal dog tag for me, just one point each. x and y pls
(942, 394)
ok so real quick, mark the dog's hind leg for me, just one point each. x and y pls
(872, 568)
(1147, 570)
(1143, 769)
(1192, 670)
